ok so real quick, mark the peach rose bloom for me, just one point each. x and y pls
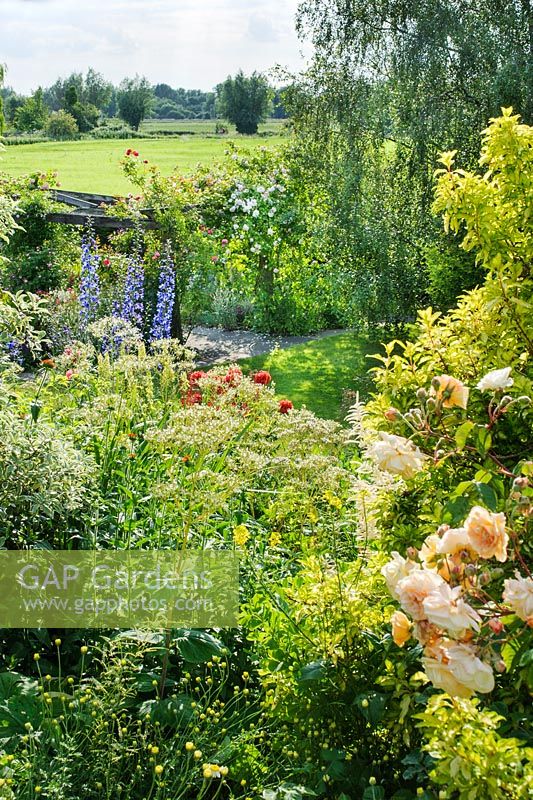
(428, 551)
(427, 634)
(445, 608)
(413, 590)
(455, 668)
(395, 570)
(451, 392)
(453, 541)
(457, 549)
(518, 594)
(401, 628)
(442, 677)
(486, 533)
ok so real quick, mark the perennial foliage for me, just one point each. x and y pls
(384, 648)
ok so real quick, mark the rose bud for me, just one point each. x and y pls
(392, 414)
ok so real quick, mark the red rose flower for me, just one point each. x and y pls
(134, 153)
(285, 406)
(263, 377)
(106, 262)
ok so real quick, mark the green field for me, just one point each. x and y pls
(205, 126)
(93, 165)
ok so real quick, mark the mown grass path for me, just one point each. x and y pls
(321, 372)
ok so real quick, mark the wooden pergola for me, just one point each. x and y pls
(93, 207)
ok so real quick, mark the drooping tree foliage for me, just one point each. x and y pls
(393, 83)
(244, 100)
(134, 98)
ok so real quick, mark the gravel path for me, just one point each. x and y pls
(216, 346)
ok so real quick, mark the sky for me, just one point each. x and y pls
(189, 43)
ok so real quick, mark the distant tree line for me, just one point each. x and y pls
(78, 103)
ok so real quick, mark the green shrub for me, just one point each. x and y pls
(471, 760)
(61, 125)
(45, 482)
(39, 252)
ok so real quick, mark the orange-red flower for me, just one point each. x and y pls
(262, 377)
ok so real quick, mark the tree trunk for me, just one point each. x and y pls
(265, 277)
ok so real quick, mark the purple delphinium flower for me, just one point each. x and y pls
(111, 344)
(162, 322)
(133, 303)
(89, 281)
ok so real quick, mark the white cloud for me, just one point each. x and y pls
(191, 43)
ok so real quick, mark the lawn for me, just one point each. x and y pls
(319, 373)
(93, 165)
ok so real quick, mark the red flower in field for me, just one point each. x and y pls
(106, 262)
(134, 153)
(145, 161)
(262, 377)
(285, 406)
(69, 374)
(128, 151)
(195, 376)
(233, 376)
